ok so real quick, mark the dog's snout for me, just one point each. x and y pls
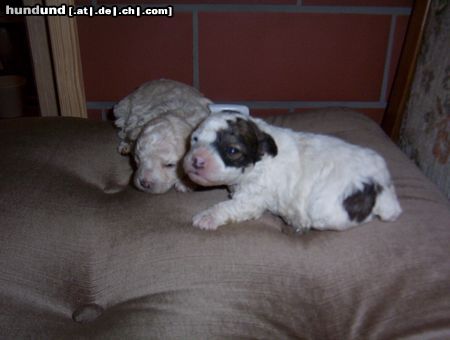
(198, 162)
(145, 183)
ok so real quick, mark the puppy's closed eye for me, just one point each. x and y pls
(170, 165)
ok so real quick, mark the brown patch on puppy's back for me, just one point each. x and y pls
(359, 204)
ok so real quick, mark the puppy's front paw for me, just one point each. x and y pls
(180, 187)
(206, 220)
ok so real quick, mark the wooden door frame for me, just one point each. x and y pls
(57, 62)
(401, 87)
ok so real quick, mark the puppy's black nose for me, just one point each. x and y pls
(145, 184)
(198, 163)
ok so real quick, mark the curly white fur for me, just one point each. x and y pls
(155, 122)
(305, 181)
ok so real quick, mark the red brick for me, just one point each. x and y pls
(212, 2)
(118, 54)
(378, 3)
(292, 56)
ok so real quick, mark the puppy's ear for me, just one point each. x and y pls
(266, 144)
(257, 141)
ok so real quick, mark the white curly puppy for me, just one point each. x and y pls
(155, 122)
(309, 180)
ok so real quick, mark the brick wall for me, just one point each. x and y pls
(275, 56)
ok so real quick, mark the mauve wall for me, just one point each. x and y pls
(275, 56)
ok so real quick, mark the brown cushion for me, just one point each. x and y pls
(83, 254)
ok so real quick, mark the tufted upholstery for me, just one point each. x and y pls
(85, 255)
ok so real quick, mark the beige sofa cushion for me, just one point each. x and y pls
(85, 255)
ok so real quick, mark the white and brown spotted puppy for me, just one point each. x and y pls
(155, 123)
(309, 180)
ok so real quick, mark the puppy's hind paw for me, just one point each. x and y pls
(181, 187)
(294, 231)
(206, 220)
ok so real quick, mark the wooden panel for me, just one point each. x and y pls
(393, 116)
(42, 64)
(67, 62)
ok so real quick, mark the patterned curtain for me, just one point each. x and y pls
(425, 134)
